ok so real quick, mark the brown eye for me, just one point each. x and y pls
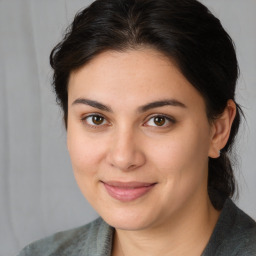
(94, 120)
(159, 120)
(98, 120)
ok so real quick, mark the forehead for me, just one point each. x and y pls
(116, 64)
(131, 77)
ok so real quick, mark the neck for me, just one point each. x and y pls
(184, 234)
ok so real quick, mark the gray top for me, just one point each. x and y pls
(234, 235)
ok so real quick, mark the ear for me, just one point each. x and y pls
(221, 128)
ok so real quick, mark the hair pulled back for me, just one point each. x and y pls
(183, 30)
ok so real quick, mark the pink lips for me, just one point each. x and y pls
(127, 191)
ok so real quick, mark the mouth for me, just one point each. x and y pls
(127, 191)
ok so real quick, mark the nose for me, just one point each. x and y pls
(126, 151)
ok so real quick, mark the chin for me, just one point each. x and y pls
(128, 219)
(127, 225)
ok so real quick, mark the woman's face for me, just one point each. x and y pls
(138, 138)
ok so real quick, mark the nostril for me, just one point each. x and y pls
(124, 152)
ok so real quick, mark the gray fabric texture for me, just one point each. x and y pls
(234, 235)
(94, 239)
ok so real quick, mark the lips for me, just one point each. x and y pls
(127, 191)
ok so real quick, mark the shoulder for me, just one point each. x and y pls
(89, 239)
(234, 234)
(242, 233)
(244, 244)
(240, 244)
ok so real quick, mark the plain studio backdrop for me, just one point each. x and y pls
(38, 194)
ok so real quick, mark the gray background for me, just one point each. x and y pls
(38, 194)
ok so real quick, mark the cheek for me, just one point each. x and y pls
(181, 161)
(85, 152)
(86, 155)
(182, 152)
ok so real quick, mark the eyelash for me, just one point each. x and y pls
(167, 119)
(94, 126)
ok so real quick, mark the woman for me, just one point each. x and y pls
(148, 94)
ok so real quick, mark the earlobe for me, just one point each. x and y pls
(221, 128)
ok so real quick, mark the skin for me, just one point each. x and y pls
(127, 143)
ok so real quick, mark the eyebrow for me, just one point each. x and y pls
(92, 103)
(161, 103)
(144, 108)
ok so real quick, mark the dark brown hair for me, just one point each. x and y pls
(185, 31)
